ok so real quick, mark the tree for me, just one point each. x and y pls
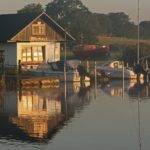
(83, 24)
(144, 30)
(121, 25)
(60, 9)
(31, 8)
(74, 17)
(104, 23)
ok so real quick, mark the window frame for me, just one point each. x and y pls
(29, 58)
(38, 29)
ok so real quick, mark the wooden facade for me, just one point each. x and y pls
(27, 34)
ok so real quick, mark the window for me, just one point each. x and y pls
(38, 29)
(26, 54)
(32, 54)
(116, 65)
(37, 53)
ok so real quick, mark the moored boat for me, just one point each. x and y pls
(90, 50)
(56, 69)
(116, 70)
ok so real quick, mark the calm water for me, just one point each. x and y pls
(107, 117)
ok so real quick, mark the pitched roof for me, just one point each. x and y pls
(11, 24)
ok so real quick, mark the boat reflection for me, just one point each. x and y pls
(35, 114)
(140, 90)
(131, 88)
(117, 87)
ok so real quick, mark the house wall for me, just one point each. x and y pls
(53, 52)
(12, 51)
(9, 53)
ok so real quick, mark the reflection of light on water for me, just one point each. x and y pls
(38, 107)
(108, 85)
(140, 91)
(87, 84)
(33, 127)
(36, 114)
(116, 92)
(117, 88)
(131, 87)
(76, 86)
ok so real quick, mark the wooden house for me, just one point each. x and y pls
(30, 39)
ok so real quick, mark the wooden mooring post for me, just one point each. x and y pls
(95, 79)
(2, 81)
(87, 66)
(147, 78)
(123, 79)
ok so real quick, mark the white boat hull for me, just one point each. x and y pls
(116, 70)
(70, 76)
(119, 73)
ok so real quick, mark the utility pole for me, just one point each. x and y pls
(65, 58)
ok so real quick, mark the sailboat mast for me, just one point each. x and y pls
(138, 42)
(138, 51)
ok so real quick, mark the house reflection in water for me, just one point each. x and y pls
(36, 114)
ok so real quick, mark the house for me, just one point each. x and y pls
(30, 39)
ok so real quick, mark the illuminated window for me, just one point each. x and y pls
(32, 54)
(37, 53)
(26, 54)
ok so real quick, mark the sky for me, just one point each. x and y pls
(101, 6)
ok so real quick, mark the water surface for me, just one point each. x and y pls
(107, 116)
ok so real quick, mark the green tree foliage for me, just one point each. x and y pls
(104, 23)
(75, 17)
(85, 25)
(60, 9)
(121, 25)
(145, 29)
(116, 24)
(31, 8)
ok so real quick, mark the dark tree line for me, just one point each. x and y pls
(85, 25)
